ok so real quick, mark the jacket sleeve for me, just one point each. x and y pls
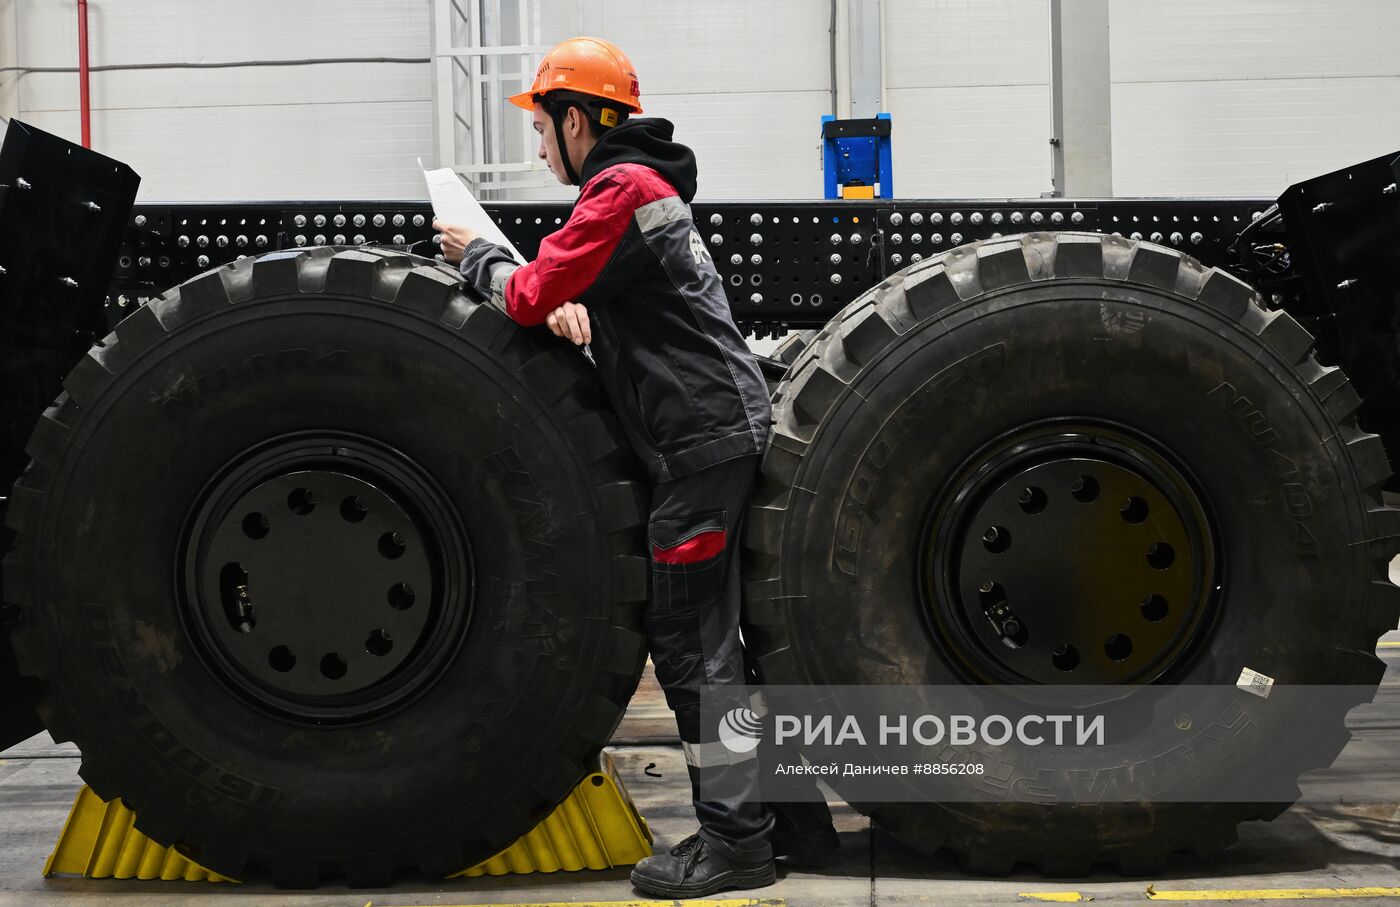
(486, 267)
(570, 262)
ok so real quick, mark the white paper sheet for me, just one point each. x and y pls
(454, 203)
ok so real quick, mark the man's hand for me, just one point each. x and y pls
(570, 321)
(455, 238)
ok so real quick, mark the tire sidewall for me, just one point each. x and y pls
(1261, 451)
(462, 749)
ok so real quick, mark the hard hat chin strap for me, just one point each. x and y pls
(558, 112)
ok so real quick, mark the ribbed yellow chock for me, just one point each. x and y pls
(100, 841)
(597, 827)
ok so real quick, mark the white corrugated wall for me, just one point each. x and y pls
(324, 131)
(745, 83)
(1210, 98)
(1247, 96)
(967, 83)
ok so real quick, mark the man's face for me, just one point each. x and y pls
(549, 144)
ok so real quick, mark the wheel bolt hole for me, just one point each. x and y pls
(391, 545)
(353, 509)
(379, 643)
(1032, 500)
(333, 667)
(256, 526)
(1084, 489)
(1118, 647)
(1154, 608)
(282, 659)
(996, 539)
(1161, 555)
(1065, 658)
(991, 593)
(301, 502)
(1134, 510)
(401, 597)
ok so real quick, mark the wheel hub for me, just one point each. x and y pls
(1074, 555)
(325, 580)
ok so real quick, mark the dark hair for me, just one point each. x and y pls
(556, 103)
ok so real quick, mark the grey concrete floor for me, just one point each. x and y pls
(1331, 841)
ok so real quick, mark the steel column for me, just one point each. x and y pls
(1081, 99)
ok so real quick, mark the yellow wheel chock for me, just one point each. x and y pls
(596, 827)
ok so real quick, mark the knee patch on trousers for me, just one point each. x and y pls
(688, 561)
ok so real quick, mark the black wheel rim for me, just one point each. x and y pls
(326, 578)
(1070, 553)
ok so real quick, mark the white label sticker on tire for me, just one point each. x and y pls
(1256, 683)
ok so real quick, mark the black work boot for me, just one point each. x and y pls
(807, 848)
(694, 869)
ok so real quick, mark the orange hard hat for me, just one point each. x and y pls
(588, 66)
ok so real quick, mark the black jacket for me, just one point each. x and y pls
(684, 384)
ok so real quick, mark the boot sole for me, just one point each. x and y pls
(755, 877)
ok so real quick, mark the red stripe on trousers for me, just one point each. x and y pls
(702, 547)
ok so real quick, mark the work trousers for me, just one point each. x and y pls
(692, 626)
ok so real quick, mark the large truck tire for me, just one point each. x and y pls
(329, 570)
(1058, 388)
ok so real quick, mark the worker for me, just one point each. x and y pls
(630, 277)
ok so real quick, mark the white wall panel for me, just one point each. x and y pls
(736, 47)
(745, 83)
(1207, 40)
(147, 89)
(1247, 137)
(1245, 97)
(265, 152)
(1209, 98)
(968, 88)
(971, 142)
(323, 131)
(158, 31)
(948, 43)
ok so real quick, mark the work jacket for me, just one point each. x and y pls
(685, 386)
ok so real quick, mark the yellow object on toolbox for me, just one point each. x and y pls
(596, 827)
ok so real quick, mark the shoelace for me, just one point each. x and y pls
(689, 849)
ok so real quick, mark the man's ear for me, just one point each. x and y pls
(576, 124)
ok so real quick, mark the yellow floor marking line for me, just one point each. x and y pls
(1059, 897)
(1272, 894)
(734, 902)
(1388, 645)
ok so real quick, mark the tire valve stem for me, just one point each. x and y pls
(245, 609)
(998, 611)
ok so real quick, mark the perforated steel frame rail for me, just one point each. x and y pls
(785, 264)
